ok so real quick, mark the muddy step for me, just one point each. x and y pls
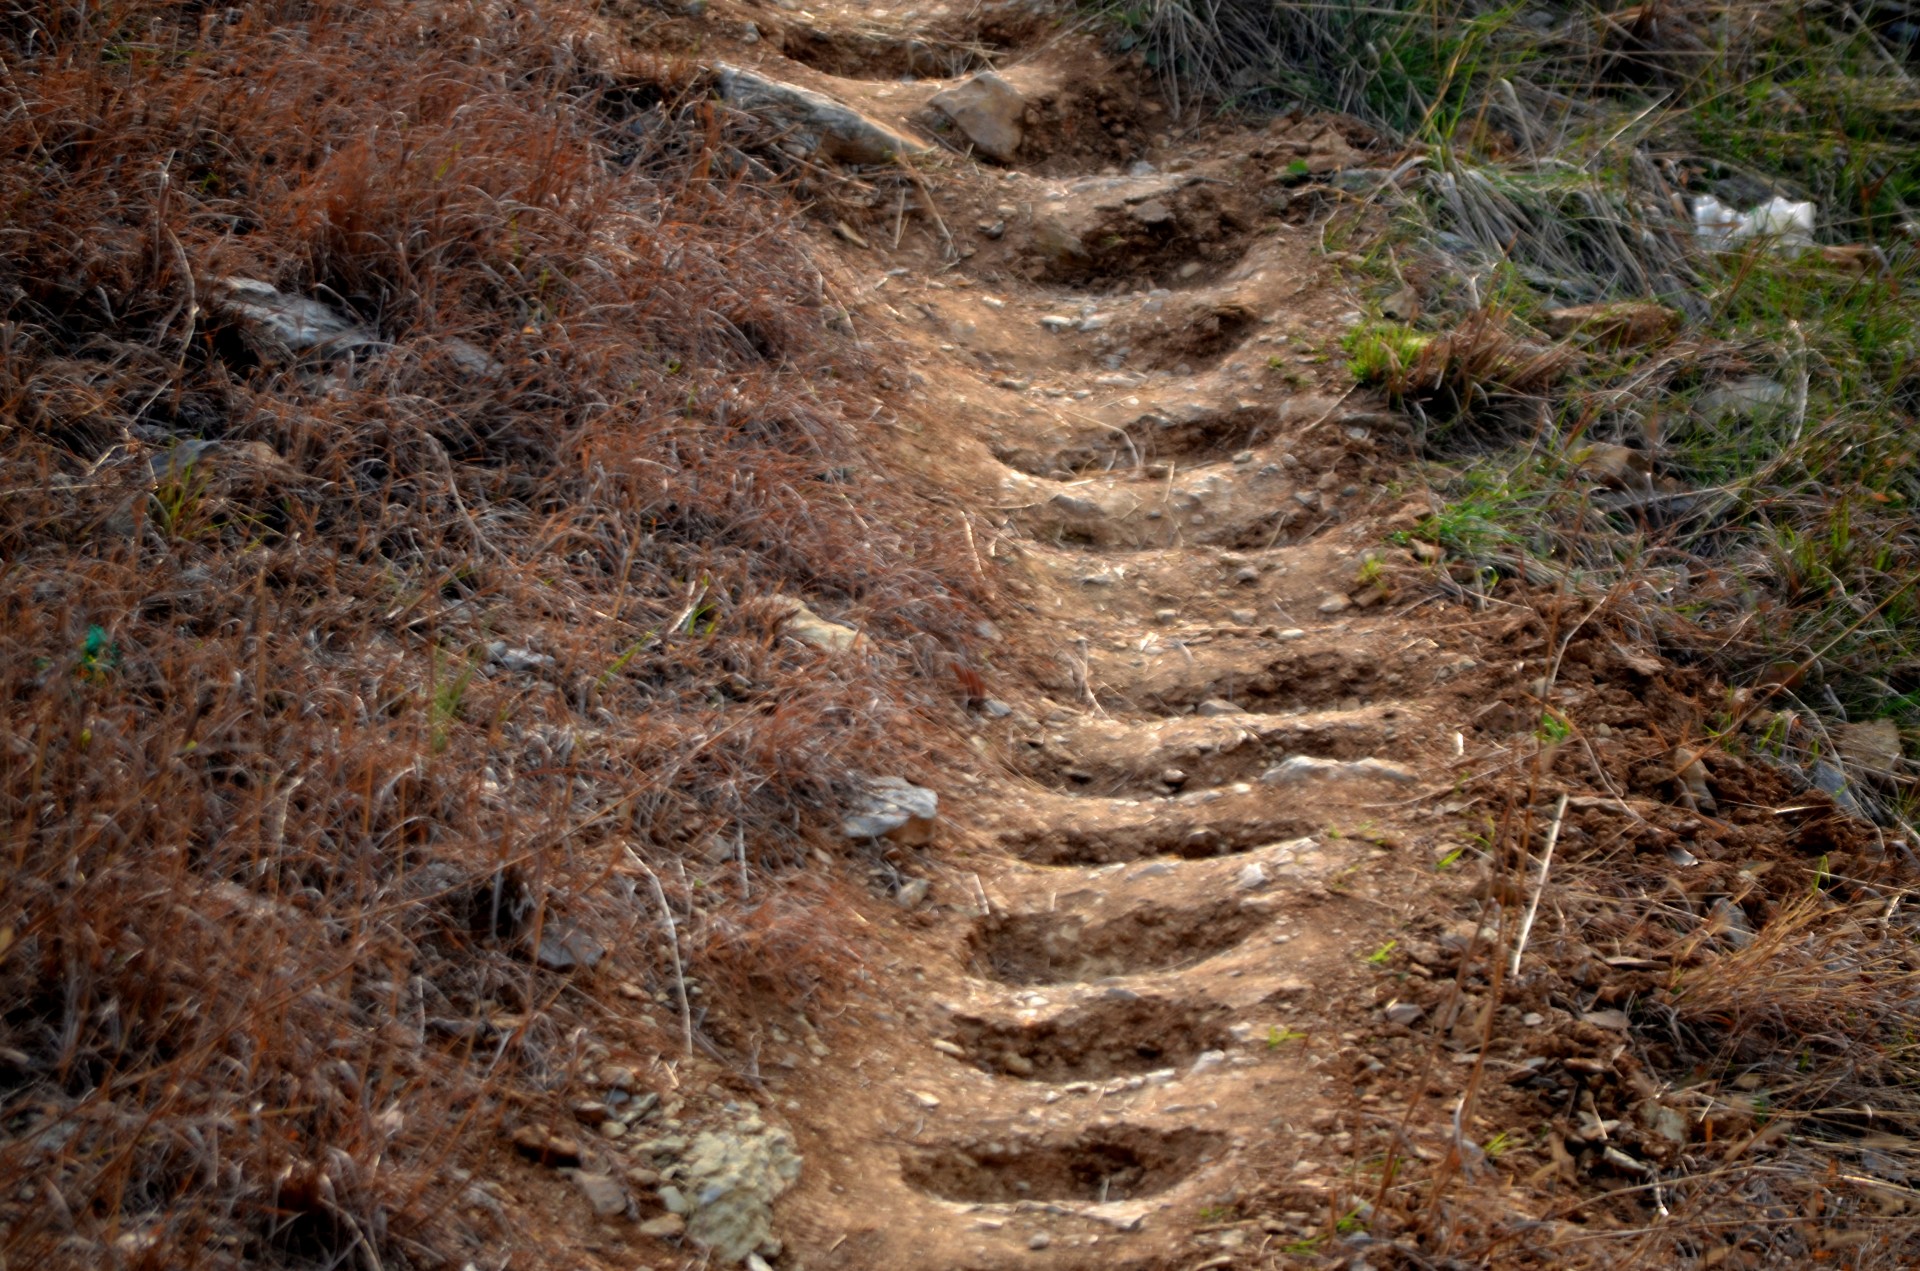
(1101, 1165)
(1164, 756)
(1117, 1033)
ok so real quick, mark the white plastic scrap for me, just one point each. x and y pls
(1786, 224)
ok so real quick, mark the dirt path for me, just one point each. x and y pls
(1131, 1003)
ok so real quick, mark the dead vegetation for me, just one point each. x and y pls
(357, 686)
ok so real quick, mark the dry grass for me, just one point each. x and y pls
(314, 728)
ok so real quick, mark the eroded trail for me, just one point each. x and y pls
(1129, 993)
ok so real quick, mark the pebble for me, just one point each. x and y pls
(1292, 633)
(1252, 877)
(1215, 706)
(1405, 1013)
(602, 1192)
(1039, 1240)
(1335, 604)
(665, 1227)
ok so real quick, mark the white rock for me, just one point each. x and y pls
(1252, 877)
(1296, 768)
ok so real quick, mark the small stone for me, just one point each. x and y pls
(665, 1227)
(1173, 776)
(1215, 706)
(1245, 575)
(1335, 604)
(925, 1100)
(757, 1263)
(912, 892)
(673, 1200)
(1075, 505)
(1166, 617)
(542, 1145)
(1405, 1013)
(894, 809)
(1059, 322)
(1252, 877)
(946, 1047)
(1017, 1065)
(994, 708)
(603, 1192)
(565, 947)
(1291, 633)
(1297, 768)
(988, 111)
(1244, 617)
(1533, 1019)
(1039, 1240)
(803, 624)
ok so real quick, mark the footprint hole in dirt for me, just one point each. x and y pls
(1114, 1164)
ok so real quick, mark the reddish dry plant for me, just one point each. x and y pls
(309, 726)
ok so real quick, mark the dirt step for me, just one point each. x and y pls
(1116, 1033)
(1213, 420)
(1248, 506)
(1054, 948)
(1102, 1165)
(1325, 669)
(1057, 829)
(879, 54)
(1164, 756)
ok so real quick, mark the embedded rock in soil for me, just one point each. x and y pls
(888, 807)
(732, 1177)
(283, 328)
(805, 625)
(988, 110)
(819, 123)
(1297, 768)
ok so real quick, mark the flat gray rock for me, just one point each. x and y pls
(819, 123)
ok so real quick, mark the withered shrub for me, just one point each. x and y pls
(332, 685)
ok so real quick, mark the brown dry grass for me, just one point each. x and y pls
(283, 807)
